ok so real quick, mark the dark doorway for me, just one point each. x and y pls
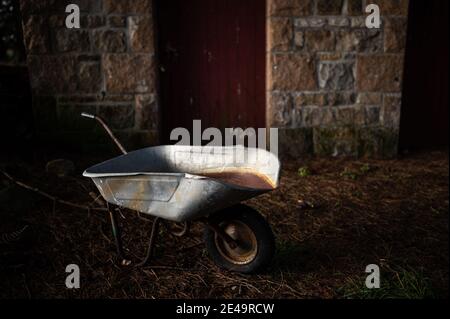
(212, 63)
(424, 120)
(16, 121)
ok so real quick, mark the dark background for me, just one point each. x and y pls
(16, 124)
(424, 119)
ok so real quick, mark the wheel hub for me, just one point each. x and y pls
(247, 245)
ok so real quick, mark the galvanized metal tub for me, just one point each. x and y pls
(167, 181)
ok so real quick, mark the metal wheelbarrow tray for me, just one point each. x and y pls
(190, 183)
(172, 182)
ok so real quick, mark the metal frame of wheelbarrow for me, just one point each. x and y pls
(116, 231)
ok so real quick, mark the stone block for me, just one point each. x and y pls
(292, 72)
(366, 115)
(341, 98)
(117, 21)
(280, 109)
(68, 40)
(313, 116)
(87, 57)
(369, 98)
(355, 7)
(141, 34)
(129, 73)
(329, 7)
(142, 7)
(380, 73)
(377, 142)
(113, 41)
(58, 6)
(320, 40)
(299, 39)
(90, 78)
(391, 111)
(294, 143)
(359, 40)
(344, 115)
(147, 116)
(395, 34)
(28, 7)
(291, 7)
(335, 141)
(57, 21)
(119, 116)
(336, 76)
(281, 33)
(86, 6)
(391, 7)
(53, 74)
(36, 34)
(358, 22)
(92, 21)
(311, 99)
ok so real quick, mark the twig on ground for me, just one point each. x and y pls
(26, 286)
(51, 197)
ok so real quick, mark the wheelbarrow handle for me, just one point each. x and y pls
(90, 116)
(107, 129)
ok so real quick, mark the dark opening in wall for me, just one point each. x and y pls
(424, 120)
(15, 96)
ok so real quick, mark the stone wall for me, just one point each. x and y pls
(334, 86)
(106, 67)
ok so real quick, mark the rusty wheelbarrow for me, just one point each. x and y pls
(186, 184)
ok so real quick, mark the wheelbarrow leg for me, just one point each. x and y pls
(151, 243)
(118, 240)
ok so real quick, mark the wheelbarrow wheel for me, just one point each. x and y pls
(249, 230)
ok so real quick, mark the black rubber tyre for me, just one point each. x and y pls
(248, 228)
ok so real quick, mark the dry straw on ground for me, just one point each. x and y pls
(329, 223)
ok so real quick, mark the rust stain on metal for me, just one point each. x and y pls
(243, 177)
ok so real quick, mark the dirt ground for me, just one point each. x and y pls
(393, 213)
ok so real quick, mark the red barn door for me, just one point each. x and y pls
(212, 63)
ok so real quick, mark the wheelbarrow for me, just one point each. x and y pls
(185, 184)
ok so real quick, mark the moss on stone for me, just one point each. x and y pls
(335, 141)
(378, 142)
(295, 142)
